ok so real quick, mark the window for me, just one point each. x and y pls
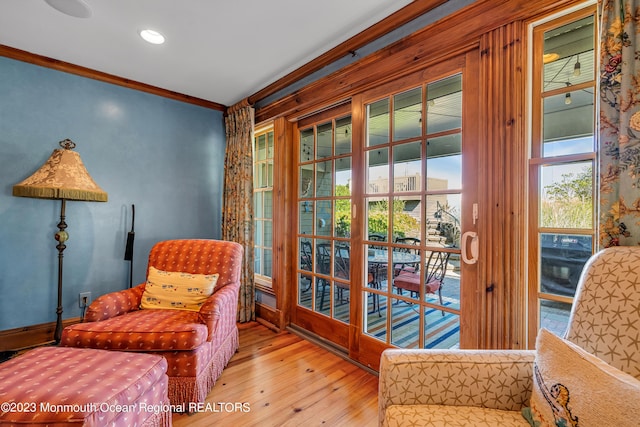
(562, 165)
(263, 205)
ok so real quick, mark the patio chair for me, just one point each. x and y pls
(408, 267)
(435, 270)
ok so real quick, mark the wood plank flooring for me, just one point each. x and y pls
(280, 379)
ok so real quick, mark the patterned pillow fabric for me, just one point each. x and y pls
(177, 290)
(574, 388)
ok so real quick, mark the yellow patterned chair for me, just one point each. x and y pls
(492, 387)
(197, 342)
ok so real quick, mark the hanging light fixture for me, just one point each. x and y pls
(567, 97)
(62, 177)
(576, 68)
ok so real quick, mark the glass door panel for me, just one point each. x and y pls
(324, 225)
(416, 206)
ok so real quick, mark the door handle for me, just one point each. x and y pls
(473, 247)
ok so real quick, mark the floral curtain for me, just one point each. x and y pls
(619, 123)
(237, 213)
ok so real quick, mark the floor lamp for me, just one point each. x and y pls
(62, 177)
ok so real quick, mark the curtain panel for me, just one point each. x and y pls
(619, 123)
(237, 213)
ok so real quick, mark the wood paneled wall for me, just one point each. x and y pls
(502, 179)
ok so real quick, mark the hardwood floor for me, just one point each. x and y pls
(280, 379)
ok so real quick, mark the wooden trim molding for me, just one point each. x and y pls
(456, 34)
(269, 317)
(31, 336)
(43, 61)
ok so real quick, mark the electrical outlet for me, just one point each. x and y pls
(84, 299)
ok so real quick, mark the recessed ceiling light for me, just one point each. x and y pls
(152, 36)
(75, 8)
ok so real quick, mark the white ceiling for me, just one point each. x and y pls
(221, 51)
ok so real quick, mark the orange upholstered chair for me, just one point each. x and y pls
(197, 344)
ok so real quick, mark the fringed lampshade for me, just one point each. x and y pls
(64, 177)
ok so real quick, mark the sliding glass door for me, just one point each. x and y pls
(323, 288)
(419, 235)
(385, 230)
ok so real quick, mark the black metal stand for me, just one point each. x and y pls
(128, 251)
(61, 236)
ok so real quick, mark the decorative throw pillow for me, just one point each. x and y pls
(176, 290)
(574, 388)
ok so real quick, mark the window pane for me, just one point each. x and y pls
(441, 332)
(567, 195)
(341, 311)
(377, 218)
(268, 258)
(270, 145)
(324, 141)
(306, 254)
(306, 145)
(304, 290)
(568, 123)
(378, 171)
(306, 181)
(324, 257)
(444, 104)
(407, 114)
(268, 233)
(442, 215)
(324, 218)
(378, 123)
(343, 136)
(444, 162)
(257, 260)
(305, 219)
(323, 179)
(375, 323)
(269, 173)
(562, 258)
(342, 226)
(261, 147)
(406, 218)
(407, 165)
(405, 322)
(258, 233)
(261, 178)
(268, 204)
(568, 54)
(257, 204)
(554, 316)
(343, 176)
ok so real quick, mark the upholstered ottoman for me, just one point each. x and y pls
(58, 386)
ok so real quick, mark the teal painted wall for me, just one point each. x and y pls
(164, 156)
